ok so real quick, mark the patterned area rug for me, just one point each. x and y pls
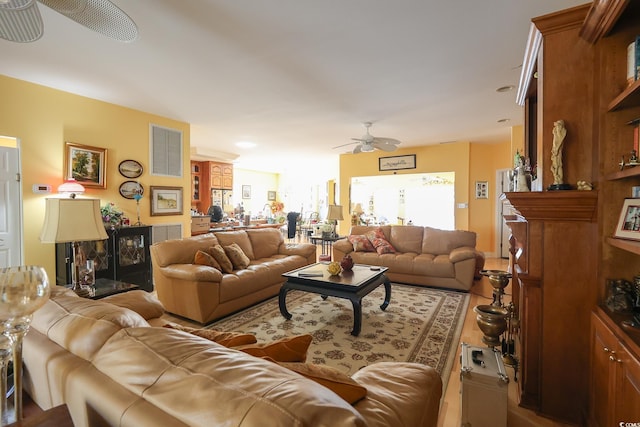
(420, 325)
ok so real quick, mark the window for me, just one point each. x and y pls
(426, 199)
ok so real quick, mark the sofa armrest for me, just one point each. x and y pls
(462, 253)
(400, 394)
(192, 272)
(306, 250)
(343, 245)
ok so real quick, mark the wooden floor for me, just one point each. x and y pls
(450, 415)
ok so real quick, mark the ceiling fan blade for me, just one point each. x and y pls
(358, 149)
(20, 21)
(384, 146)
(386, 140)
(101, 16)
(344, 145)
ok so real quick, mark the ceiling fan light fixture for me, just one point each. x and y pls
(20, 21)
(366, 148)
(101, 16)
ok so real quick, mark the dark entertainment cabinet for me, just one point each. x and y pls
(124, 257)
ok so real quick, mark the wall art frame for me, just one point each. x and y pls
(482, 189)
(629, 221)
(393, 163)
(166, 200)
(85, 164)
(271, 196)
(130, 169)
(246, 191)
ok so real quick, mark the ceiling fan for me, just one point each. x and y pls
(20, 20)
(368, 142)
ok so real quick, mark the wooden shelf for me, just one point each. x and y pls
(627, 173)
(624, 244)
(567, 205)
(630, 97)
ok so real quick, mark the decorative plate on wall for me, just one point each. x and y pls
(128, 189)
(130, 168)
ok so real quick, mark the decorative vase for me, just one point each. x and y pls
(346, 263)
(492, 321)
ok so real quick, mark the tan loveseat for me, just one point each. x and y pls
(203, 293)
(423, 255)
(112, 367)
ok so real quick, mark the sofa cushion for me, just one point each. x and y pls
(407, 238)
(221, 257)
(81, 325)
(341, 384)
(379, 241)
(239, 260)
(205, 258)
(240, 237)
(143, 303)
(441, 242)
(181, 251)
(288, 349)
(361, 243)
(241, 390)
(265, 242)
(227, 339)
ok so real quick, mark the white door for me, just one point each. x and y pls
(10, 219)
(504, 184)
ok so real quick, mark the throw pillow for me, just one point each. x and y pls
(220, 255)
(290, 349)
(227, 339)
(341, 384)
(239, 260)
(204, 258)
(379, 241)
(361, 243)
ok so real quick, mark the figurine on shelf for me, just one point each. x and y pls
(559, 133)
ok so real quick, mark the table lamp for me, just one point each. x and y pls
(73, 220)
(334, 215)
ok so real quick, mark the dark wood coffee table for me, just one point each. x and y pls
(352, 285)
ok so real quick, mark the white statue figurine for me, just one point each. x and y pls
(559, 133)
(521, 177)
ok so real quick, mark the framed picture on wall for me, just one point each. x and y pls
(166, 200)
(246, 191)
(271, 196)
(85, 164)
(482, 189)
(629, 221)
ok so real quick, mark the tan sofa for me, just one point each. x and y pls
(203, 293)
(424, 255)
(112, 367)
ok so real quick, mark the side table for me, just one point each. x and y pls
(106, 287)
(326, 242)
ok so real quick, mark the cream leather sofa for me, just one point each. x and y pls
(112, 367)
(202, 293)
(424, 255)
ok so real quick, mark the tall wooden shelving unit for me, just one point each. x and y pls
(562, 245)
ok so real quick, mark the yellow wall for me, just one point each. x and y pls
(469, 161)
(43, 119)
(261, 183)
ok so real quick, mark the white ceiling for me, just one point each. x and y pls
(298, 77)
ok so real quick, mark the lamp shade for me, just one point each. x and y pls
(358, 209)
(72, 220)
(335, 212)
